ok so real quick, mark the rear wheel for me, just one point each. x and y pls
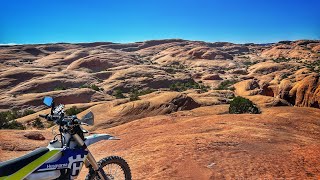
(115, 168)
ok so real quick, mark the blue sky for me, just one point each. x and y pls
(239, 21)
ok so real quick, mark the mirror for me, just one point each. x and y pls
(48, 101)
(88, 118)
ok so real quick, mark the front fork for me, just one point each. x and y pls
(90, 159)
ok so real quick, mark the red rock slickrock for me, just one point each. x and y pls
(282, 142)
(185, 134)
(307, 92)
(29, 72)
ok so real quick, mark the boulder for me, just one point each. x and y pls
(34, 136)
(306, 92)
(247, 88)
(266, 68)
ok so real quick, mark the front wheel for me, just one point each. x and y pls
(115, 168)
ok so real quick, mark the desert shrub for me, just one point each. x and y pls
(281, 59)
(180, 66)
(174, 67)
(50, 124)
(179, 86)
(149, 75)
(204, 88)
(313, 66)
(118, 94)
(84, 86)
(249, 63)
(232, 88)
(92, 86)
(37, 123)
(59, 88)
(74, 110)
(28, 112)
(170, 70)
(241, 105)
(244, 57)
(146, 91)
(13, 124)
(177, 65)
(7, 120)
(134, 94)
(284, 76)
(224, 85)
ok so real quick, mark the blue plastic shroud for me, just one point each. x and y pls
(70, 159)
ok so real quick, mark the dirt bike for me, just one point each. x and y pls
(65, 155)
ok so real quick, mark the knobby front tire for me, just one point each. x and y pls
(107, 164)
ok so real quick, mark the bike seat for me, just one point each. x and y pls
(11, 166)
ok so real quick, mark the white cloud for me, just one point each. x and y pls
(9, 44)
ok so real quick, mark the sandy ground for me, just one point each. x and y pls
(280, 143)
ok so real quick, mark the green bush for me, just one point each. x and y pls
(313, 66)
(92, 86)
(13, 124)
(170, 70)
(180, 66)
(28, 112)
(146, 91)
(59, 88)
(50, 124)
(281, 59)
(188, 85)
(37, 123)
(73, 110)
(232, 88)
(249, 63)
(118, 94)
(84, 86)
(224, 85)
(241, 105)
(7, 120)
(134, 94)
(244, 57)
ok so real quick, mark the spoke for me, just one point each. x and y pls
(109, 167)
(115, 173)
(112, 171)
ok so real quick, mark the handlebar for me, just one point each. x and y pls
(70, 124)
(47, 117)
(65, 120)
